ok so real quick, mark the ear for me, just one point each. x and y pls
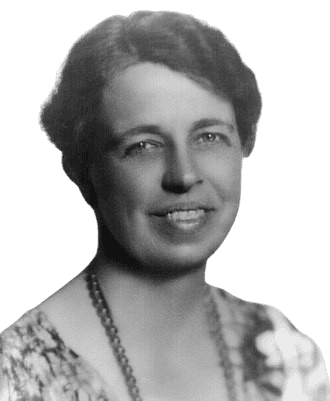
(84, 182)
(250, 141)
(88, 191)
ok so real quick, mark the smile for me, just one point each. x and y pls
(186, 215)
(186, 220)
(183, 210)
(183, 218)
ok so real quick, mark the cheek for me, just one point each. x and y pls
(123, 187)
(224, 174)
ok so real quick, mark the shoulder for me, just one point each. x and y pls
(26, 339)
(38, 329)
(36, 363)
(274, 351)
(32, 353)
(248, 320)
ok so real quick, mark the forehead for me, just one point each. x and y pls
(153, 93)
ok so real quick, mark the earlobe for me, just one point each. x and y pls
(250, 141)
(88, 192)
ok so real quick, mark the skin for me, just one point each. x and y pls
(152, 271)
(161, 322)
(171, 141)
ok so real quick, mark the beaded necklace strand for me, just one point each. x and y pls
(215, 326)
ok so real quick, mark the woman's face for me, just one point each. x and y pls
(168, 182)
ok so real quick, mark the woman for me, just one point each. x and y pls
(153, 114)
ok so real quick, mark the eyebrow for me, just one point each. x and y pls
(156, 130)
(149, 128)
(210, 122)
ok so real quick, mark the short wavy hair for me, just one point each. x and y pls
(72, 114)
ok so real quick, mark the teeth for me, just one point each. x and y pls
(186, 214)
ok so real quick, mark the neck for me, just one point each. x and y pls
(159, 307)
(159, 326)
(160, 304)
(154, 291)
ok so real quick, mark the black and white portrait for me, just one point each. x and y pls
(165, 202)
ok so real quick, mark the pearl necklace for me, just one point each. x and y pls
(111, 330)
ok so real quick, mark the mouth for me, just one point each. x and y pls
(183, 207)
(184, 217)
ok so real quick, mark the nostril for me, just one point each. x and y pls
(182, 171)
(181, 180)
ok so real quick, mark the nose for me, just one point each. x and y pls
(181, 173)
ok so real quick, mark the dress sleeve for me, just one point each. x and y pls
(36, 365)
(256, 380)
(279, 362)
(306, 377)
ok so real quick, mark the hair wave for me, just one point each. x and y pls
(71, 116)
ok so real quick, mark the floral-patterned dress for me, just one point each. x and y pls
(36, 365)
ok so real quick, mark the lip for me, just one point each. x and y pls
(163, 211)
(184, 218)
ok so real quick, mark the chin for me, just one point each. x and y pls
(156, 257)
(177, 261)
(168, 271)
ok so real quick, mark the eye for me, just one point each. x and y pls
(210, 137)
(142, 147)
(213, 138)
